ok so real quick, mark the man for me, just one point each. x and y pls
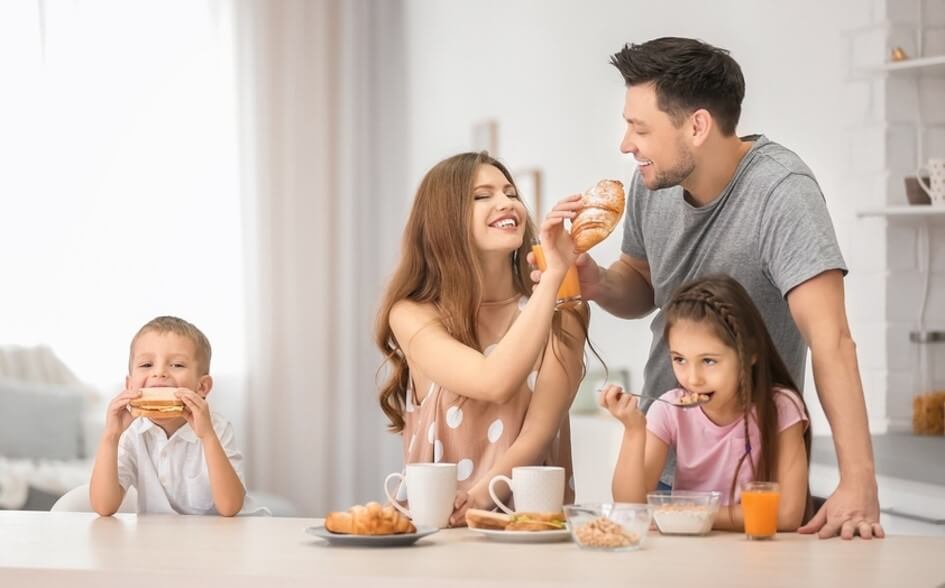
(705, 201)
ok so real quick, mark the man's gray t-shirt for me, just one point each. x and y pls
(769, 229)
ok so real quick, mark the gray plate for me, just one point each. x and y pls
(370, 540)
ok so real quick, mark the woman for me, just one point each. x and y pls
(484, 367)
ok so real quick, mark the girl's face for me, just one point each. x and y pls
(704, 364)
(498, 214)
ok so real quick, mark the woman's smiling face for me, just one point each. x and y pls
(498, 214)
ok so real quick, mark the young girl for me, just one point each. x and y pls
(483, 367)
(754, 425)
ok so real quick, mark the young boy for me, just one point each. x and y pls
(180, 464)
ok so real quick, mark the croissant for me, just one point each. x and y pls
(370, 519)
(603, 207)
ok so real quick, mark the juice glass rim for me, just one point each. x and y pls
(761, 487)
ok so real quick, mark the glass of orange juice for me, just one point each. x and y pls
(569, 292)
(760, 509)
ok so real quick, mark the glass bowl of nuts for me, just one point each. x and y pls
(684, 513)
(608, 526)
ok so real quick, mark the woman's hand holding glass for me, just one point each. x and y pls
(556, 244)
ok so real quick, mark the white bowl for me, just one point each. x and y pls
(684, 513)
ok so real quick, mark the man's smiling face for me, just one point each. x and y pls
(658, 145)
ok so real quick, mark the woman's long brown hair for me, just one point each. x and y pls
(720, 301)
(438, 265)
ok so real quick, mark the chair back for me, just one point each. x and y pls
(77, 500)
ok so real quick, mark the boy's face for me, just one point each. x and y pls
(166, 360)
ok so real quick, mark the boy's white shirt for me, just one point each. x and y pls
(171, 475)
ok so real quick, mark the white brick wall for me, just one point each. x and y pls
(868, 150)
(904, 295)
(899, 401)
(869, 46)
(886, 144)
(932, 100)
(934, 41)
(859, 101)
(899, 99)
(901, 155)
(873, 388)
(935, 11)
(937, 252)
(901, 356)
(866, 298)
(870, 343)
(935, 138)
(901, 11)
(901, 254)
(901, 35)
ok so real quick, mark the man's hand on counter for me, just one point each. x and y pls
(852, 509)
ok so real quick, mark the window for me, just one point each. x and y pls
(119, 196)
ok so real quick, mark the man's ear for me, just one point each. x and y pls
(701, 124)
(127, 381)
(204, 385)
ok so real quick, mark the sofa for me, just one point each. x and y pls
(51, 420)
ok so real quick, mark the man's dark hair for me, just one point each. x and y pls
(688, 75)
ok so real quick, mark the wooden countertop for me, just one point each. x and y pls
(39, 549)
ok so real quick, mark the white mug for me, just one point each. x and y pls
(431, 492)
(534, 488)
(936, 187)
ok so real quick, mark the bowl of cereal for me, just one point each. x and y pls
(608, 526)
(678, 512)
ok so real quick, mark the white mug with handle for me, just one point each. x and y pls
(431, 492)
(936, 186)
(534, 488)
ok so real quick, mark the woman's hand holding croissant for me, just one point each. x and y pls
(556, 244)
(589, 273)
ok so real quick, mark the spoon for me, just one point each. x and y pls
(689, 400)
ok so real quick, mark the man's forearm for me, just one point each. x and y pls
(624, 292)
(837, 377)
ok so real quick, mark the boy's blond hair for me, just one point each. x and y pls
(178, 326)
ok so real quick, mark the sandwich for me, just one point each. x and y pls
(487, 519)
(536, 521)
(160, 403)
(520, 521)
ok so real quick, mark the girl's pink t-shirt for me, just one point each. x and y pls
(707, 454)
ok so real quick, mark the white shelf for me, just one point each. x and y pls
(931, 65)
(907, 213)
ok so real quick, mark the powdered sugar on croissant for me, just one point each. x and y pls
(370, 519)
(603, 207)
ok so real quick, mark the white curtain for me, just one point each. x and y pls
(322, 123)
